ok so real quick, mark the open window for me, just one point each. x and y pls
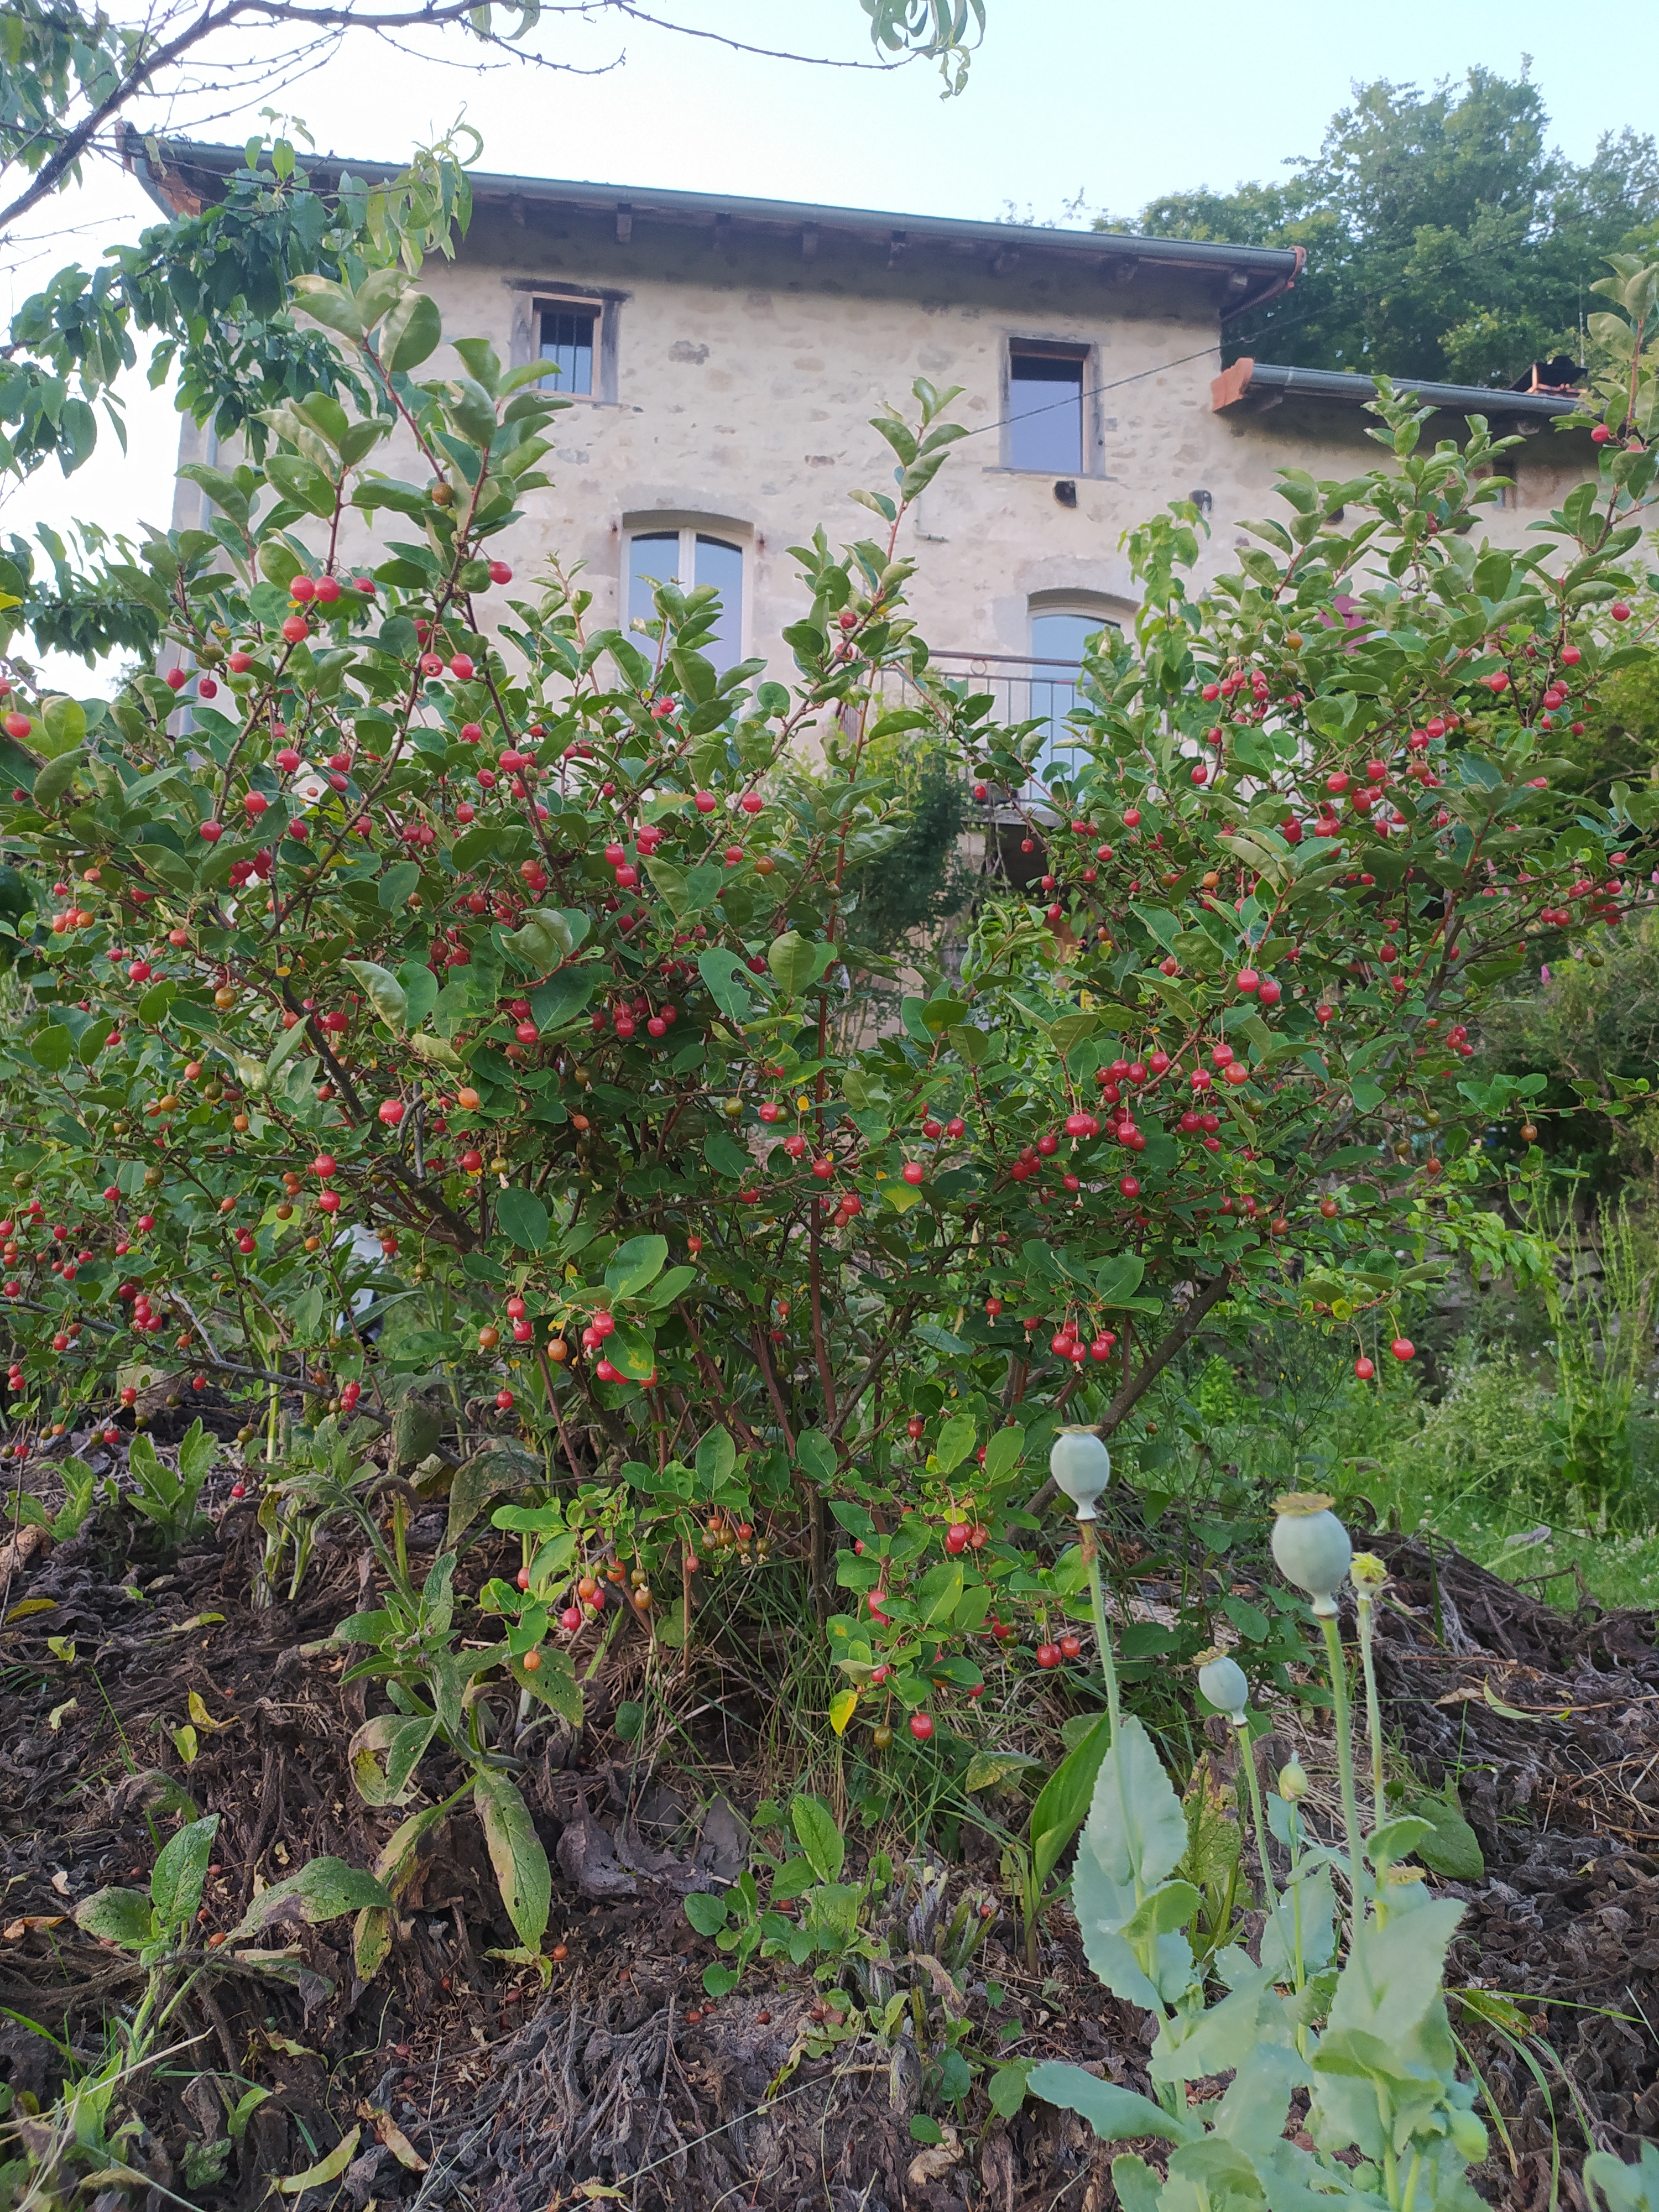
(690, 556)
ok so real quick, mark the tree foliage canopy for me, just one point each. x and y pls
(1445, 237)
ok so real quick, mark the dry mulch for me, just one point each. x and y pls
(621, 2075)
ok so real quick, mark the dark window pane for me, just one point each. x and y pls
(567, 342)
(1045, 410)
(721, 565)
(652, 559)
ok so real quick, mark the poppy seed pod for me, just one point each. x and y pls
(1082, 1466)
(1223, 1682)
(1311, 1546)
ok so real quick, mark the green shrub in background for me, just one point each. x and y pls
(1487, 1437)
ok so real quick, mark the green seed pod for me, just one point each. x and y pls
(1310, 1544)
(1082, 1466)
(1223, 1682)
(1293, 1783)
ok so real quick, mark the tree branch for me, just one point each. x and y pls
(1181, 1334)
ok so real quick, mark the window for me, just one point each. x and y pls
(567, 342)
(689, 557)
(1058, 637)
(1045, 410)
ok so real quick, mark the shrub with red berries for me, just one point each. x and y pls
(431, 968)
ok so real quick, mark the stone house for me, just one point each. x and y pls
(723, 356)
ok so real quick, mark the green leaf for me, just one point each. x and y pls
(1136, 1830)
(384, 991)
(1007, 2086)
(720, 1981)
(1064, 1799)
(816, 1455)
(956, 1440)
(395, 886)
(564, 996)
(516, 1854)
(52, 1049)
(717, 1457)
(323, 1889)
(521, 1216)
(819, 1836)
(796, 962)
(726, 1155)
(411, 331)
(635, 1264)
(63, 725)
(1112, 2112)
(332, 306)
(116, 1916)
(1004, 1453)
(180, 1874)
(726, 976)
(707, 1912)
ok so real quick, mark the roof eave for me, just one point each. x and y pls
(1254, 274)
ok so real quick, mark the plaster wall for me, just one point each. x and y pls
(739, 369)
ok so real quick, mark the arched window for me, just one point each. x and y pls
(1059, 635)
(689, 557)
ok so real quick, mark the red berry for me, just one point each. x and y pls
(1364, 1369)
(1402, 1348)
(921, 1727)
(391, 1111)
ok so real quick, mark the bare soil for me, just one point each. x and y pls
(621, 2082)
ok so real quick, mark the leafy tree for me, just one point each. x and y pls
(1445, 238)
(70, 72)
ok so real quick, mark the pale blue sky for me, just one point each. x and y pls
(1068, 96)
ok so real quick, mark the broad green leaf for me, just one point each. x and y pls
(1135, 1828)
(52, 1049)
(521, 1216)
(180, 1874)
(116, 1916)
(1004, 1453)
(708, 1913)
(516, 1854)
(564, 996)
(385, 992)
(1112, 2112)
(1064, 1799)
(717, 1455)
(323, 1889)
(63, 725)
(395, 886)
(956, 1440)
(815, 1454)
(901, 1196)
(331, 304)
(635, 1265)
(794, 961)
(726, 1155)
(1007, 2087)
(412, 330)
(819, 1836)
(727, 977)
(433, 1050)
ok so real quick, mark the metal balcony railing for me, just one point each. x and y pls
(1024, 689)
